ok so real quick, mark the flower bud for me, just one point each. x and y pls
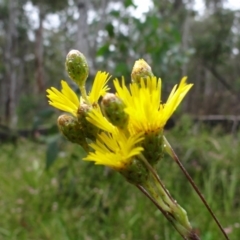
(153, 147)
(135, 172)
(77, 67)
(72, 130)
(89, 129)
(113, 109)
(141, 70)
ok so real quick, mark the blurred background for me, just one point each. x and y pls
(46, 191)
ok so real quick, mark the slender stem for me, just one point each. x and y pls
(84, 94)
(168, 200)
(176, 159)
(167, 215)
(151, 169)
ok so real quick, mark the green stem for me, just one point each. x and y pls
(159, 195)
(171, 152)
(168, 216)
(154, 173)
(84, 94)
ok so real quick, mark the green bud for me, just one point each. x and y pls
(89, 129)
(72, 130)
(113, 108)
(77, 67)
(135, 172)
(153, 147)
(141, 70)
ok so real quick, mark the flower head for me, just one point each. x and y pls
(67, 100)
(143, 103)
(114, 150)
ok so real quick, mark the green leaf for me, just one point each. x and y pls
(115, 13)
(110, 29)
(103, 50)
(121, 68)
(128, 3)
(52, 152)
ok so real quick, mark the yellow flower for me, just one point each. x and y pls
(143, 103)
(146, 114)
(114, 150)
(66, 100)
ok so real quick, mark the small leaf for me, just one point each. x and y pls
(52, 152)
(103, 50)
(110, 29)
(128, 3)
(114, 13)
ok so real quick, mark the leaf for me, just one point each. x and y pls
(52, 152)
(110, 29)
(128, 3)
(114, 13)
(121, 68)
(103, 50)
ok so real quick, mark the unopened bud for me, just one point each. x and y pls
(141, 70)
(113, 109)
(72, 130)
(153, 147)
(135, 172)
(77, 67)
(89, 129)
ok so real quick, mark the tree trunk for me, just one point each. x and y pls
(39, 53)
(10, 65)
(82, 33)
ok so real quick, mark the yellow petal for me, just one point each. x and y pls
(99, 87)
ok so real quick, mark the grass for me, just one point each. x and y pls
(75, 200)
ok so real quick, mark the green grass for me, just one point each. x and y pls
(76, 200)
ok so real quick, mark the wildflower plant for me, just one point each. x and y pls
(125, 132)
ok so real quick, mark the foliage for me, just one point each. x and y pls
(171, 35)
(77, 200)
(155, 37)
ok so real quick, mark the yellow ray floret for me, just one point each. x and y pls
(115, 150)
(143, 103)
(65, 100)
(175, 97)
(97, 119)
(99, 87)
